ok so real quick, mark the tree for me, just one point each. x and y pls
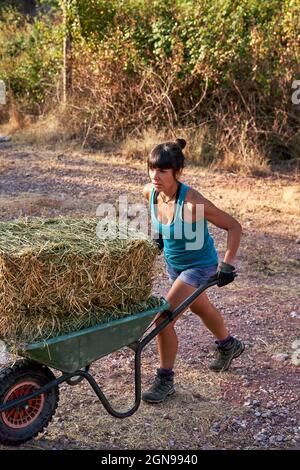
(67, 69)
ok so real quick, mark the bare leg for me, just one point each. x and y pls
(167, 341)
(210, 316)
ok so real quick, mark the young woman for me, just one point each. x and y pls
(179, 214)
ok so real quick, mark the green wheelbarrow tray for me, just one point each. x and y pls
(77, 350)
(25, 382)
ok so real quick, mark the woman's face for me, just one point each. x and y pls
(163, 179)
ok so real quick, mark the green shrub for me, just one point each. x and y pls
(30, 58)
(139, 63)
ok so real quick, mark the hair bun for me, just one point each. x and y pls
(181, 143)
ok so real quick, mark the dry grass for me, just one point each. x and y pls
(290, 202)
(57, 275)
(43, 205)
(268, 204)
(138, 148)
(16, 121)
(52, 130)
(244, 160)
(183, 422)
(270, 207)
(32, 204)
(211, 149)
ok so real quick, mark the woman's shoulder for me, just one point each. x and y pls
(194, 197)
(147, 190)
(192, 201)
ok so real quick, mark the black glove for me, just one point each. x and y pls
(225, 274)
(158, 240)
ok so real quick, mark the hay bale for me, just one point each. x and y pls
(57, 276)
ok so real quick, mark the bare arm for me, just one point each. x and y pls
(146, 191)
(220, 219)
(227, 222)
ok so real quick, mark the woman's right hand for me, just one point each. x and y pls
(157, 238)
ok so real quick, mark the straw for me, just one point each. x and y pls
(57, 276)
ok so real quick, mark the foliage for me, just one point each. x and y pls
(178, 63)
(30, 58)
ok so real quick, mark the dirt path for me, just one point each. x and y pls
(254, 405)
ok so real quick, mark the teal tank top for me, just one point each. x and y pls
(186, 244)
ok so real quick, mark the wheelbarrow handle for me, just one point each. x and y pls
(167, 316)
(212, 281)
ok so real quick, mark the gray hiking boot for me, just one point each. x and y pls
(163, 387)
(225, 354)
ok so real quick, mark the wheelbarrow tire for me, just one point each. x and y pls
(19, 425)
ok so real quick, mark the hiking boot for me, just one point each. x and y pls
(225, 354)
(163, 387)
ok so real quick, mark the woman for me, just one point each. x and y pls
(179, 214)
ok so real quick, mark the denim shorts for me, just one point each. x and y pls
(192, 276)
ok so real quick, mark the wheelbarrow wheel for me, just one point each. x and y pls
(20, 424)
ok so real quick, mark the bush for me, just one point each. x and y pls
(30, 59)
(224, 64)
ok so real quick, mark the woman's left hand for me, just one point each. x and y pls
(226, 274)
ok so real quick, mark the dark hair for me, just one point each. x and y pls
(167, 155)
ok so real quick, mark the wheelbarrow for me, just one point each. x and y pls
(29, 391)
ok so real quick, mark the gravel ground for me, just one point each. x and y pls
(255, 405)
